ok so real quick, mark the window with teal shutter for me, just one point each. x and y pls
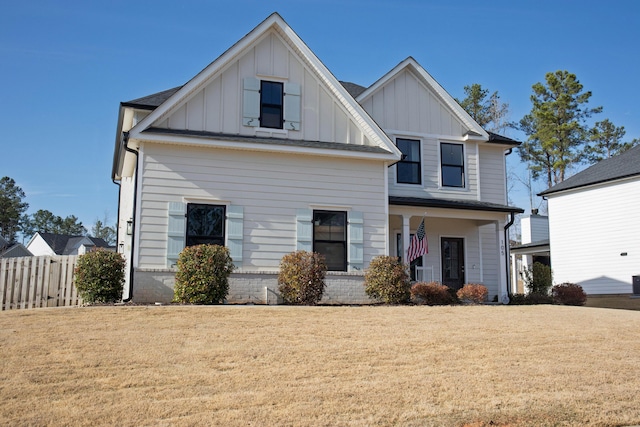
(235, 233)
(270, 104)
(292, 106)
(251, 102)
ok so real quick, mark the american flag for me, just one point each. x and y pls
(419, 245)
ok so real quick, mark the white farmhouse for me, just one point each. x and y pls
(594, 226)
(266, 152)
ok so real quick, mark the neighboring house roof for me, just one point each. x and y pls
(538, 244)
(67, 245)
(354, 89)
(151, 102)
(452, 204)
(624, 165)
(14, 250)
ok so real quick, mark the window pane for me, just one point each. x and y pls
(452, 176)
(410, 148)
(452, 154)
(330, 238)
(271, 93)
(408, 173)
(334, 253)
(271, 117)
(205, 224)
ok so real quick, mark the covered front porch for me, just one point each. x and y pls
(466, 241)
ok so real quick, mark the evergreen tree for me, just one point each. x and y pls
(485, 109)
(44, 221)
(556, 126)
(104, 232)
(606, 141)
(12, 208)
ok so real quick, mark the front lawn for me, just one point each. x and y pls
(325, 366)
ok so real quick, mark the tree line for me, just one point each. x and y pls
(558, 133)
(14, 220)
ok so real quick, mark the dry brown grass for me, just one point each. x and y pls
(327, 366)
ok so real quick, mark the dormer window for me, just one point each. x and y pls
(271, 105)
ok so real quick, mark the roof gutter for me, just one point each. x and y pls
(507, 255)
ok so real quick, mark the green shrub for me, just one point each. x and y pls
(473, 293)
(301, 277)
(569, 294)
(203, 275)
(387, 280)
(530, 299)
(538, 279)
(432, 293)
(99, 276)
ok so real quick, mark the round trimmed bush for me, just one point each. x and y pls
(99, 276)
(473, 293)
(301, 277)
(569, 294)
(203, 275)
(387, 280)
(431, 293)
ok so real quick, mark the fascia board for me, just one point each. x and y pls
(252, 146)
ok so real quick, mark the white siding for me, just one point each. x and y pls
(589, 230)
(217, 105)
(270, 188)
(492, 174)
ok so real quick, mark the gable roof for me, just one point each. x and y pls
(151, 102)
(624, 165)
(369, 127)
(475, 130)
(63, 244)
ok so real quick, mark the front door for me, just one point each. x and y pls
(452, 250)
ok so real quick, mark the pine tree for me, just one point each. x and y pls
(556, 126)
(12, 208)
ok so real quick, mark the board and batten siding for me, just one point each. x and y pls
(405, 108)
(217, 105)
(589, 230)
(270, 187)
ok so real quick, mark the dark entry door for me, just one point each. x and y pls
(452, 251)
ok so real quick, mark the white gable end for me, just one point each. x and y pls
(226, 97)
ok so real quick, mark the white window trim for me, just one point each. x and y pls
(395, 169)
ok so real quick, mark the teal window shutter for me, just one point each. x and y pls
(235, 233)
(176, 232)
(292, 106)
(304, 234)
(251, 102)
(356, 241)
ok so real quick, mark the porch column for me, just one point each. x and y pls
(502, 263)
(406, 234)
(514, 273)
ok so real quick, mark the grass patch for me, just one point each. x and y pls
(325, 366)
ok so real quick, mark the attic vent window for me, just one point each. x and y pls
(271, 102)
(271, 105)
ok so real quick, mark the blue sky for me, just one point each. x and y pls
(65, 66)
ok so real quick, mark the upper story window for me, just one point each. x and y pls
(205, 224)
(271, 104)
(330, 238)
(408, 169)
(452, 165)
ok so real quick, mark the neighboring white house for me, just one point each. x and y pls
(61, 244)
(266, 152)
(594, 225)
(534, 247)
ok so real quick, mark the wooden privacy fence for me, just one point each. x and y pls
(43, 281)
